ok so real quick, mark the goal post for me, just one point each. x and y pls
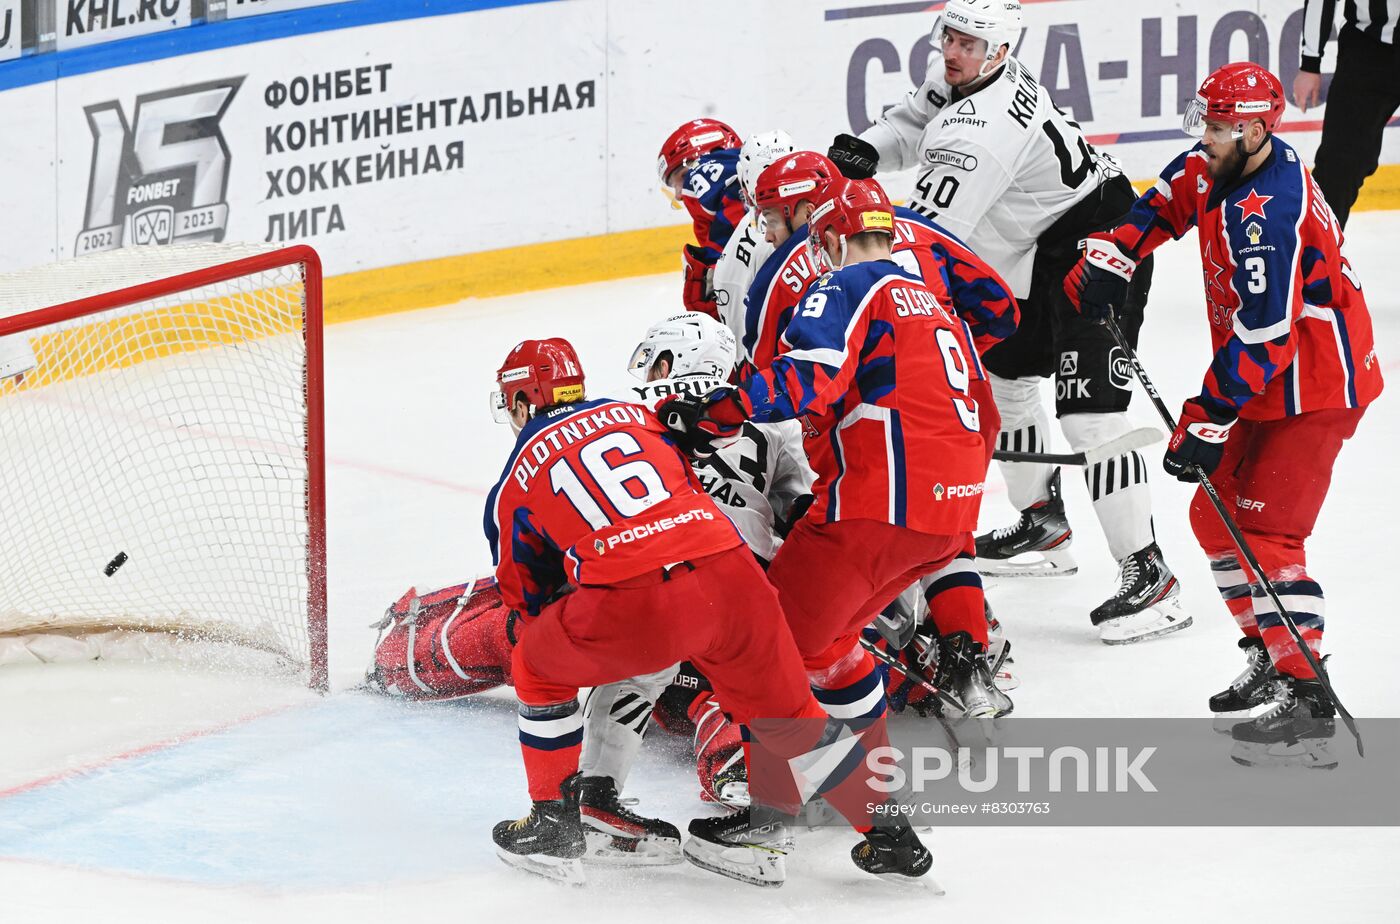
(162, 462)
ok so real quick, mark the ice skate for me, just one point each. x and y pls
(731, 783)
(618, 836)
(1253, 687)
(734, 846)
(999, 659)
(963, 670)
(1036, 545)
(547, 842)
(1146, 604)
(1296, 731)
(895, 852)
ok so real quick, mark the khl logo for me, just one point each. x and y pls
(163, 178)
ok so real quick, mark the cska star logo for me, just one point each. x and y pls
(1252, 204)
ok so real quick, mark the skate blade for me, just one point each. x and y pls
(924, 883)
(1049, 563)
(982, 710)
(973, 735)
(735, 795)
(606, 849)
(760, 866)
(1154, 622)
(555, 869)
(1305, 754)
(1225, 722)
(1006, 681)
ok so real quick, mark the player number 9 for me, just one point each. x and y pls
(955, 366)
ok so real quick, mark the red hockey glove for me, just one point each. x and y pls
(698, 293)
(1097, 287)
(696, 423)
(1198, 441)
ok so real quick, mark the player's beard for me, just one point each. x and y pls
(1225, 168)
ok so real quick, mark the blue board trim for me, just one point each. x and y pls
(23, 72)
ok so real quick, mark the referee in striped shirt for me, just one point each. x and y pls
(1364, 94)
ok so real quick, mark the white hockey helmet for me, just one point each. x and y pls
(757, 154)
(998, 22)
(698, 344)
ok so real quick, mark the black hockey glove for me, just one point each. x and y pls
(1197, 442)
(856, 159)
(695, 423)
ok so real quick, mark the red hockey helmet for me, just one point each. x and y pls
(690, 141)
(851, 207)
(785, 183)
(544, 372)
(1235, 94)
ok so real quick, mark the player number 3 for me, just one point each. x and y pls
(1255, 267)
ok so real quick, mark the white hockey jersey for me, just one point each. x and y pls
(735, 272)
(996, 167)
(755, 477)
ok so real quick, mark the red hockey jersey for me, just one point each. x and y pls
(962, 282)
(595, 493)
(1289, 325)
(880, 370)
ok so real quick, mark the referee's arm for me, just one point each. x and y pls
(1318, 17)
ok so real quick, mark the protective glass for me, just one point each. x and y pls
(1195, 124)
(500, 410)
(941, 36)
(816, 253)
(641, 360)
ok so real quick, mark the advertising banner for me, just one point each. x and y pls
(379, 146)
(440, 135)
(88, 22)
(236, 9)
(11, 28)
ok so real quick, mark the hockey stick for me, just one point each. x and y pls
(891, 661)
(1134, 439)
(1238, 536)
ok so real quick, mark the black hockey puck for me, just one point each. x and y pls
(114, 564)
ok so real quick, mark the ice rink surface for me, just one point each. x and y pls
(157, 792)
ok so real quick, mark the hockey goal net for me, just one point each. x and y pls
(161, 461)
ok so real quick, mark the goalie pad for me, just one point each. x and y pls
(444, 645)
(719, 753)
